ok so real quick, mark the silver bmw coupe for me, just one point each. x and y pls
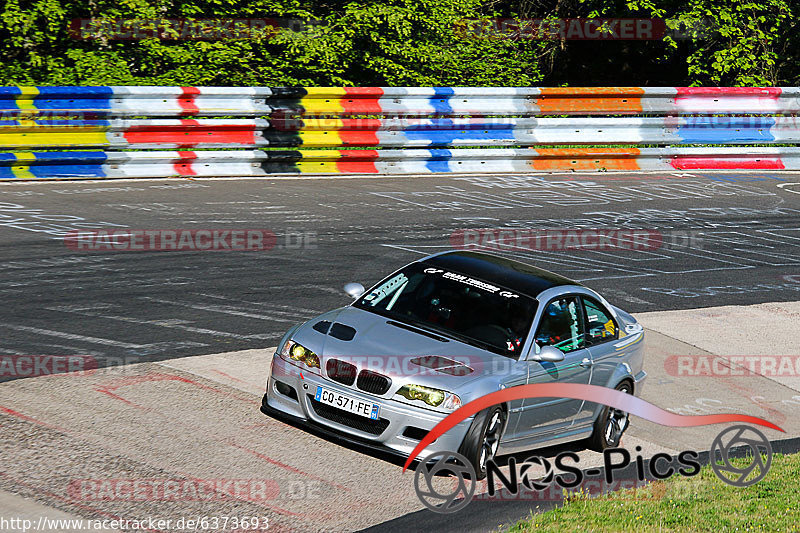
(446, 330)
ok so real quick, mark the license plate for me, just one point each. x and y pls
(347, 403)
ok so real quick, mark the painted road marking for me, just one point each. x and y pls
(158, 346)
(785, 185)
(167, 323)
(226, 309)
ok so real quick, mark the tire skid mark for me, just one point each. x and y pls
(749, 393)
(157, 376)
(160, 376)
(120, 398)
(225, 374)
(285, 466)
(133, 380)
(32, 420)
(276, 509)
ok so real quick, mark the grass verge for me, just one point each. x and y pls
(699, 503)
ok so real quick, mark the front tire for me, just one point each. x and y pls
(483, 438)
(611, 424)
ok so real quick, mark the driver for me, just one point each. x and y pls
(555, 325)
(518, 329)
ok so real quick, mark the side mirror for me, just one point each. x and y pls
(549, 354)
(354, 289)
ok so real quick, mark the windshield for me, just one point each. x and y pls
(471, 310)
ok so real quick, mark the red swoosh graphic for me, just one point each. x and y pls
(590, 393)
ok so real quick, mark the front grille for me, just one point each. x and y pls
(373, 382)
(341, 371)
(373, 427)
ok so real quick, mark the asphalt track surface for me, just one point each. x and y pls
(742, 248)
(170, 415)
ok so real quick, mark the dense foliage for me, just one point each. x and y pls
(400, 42)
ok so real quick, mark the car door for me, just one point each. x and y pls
(602, 331)
(560, 325)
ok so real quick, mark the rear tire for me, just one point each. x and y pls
(483, 438)
(611, 424)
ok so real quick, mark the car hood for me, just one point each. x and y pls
(396, 349)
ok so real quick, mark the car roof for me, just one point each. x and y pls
(514, 275)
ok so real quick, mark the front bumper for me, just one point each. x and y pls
(638, 383)
(391, 433)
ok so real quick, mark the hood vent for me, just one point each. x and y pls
(336, 330)
(443, 365)
(342, 332)
(322, 326)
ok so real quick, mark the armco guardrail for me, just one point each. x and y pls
(260, 163)
(445, 101)
(390, 130)
(395, 132)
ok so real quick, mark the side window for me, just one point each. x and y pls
(600, 326)
(561, 325)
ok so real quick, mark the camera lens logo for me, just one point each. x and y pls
(438, 464)
(737, 436)
(544, 480)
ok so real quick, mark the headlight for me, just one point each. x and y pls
(294, 352)
(432, 397)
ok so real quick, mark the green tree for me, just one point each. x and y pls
(379, 42)
(735, 42)
(401, 42)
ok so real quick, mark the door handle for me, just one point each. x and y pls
(586, 363)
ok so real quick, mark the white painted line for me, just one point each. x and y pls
(174, 324)
(303, 312)
(76, 337)
(409, 249)
(784, 185)
(226, 309)
(9, 351)
(63, 349)
(623, 295)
